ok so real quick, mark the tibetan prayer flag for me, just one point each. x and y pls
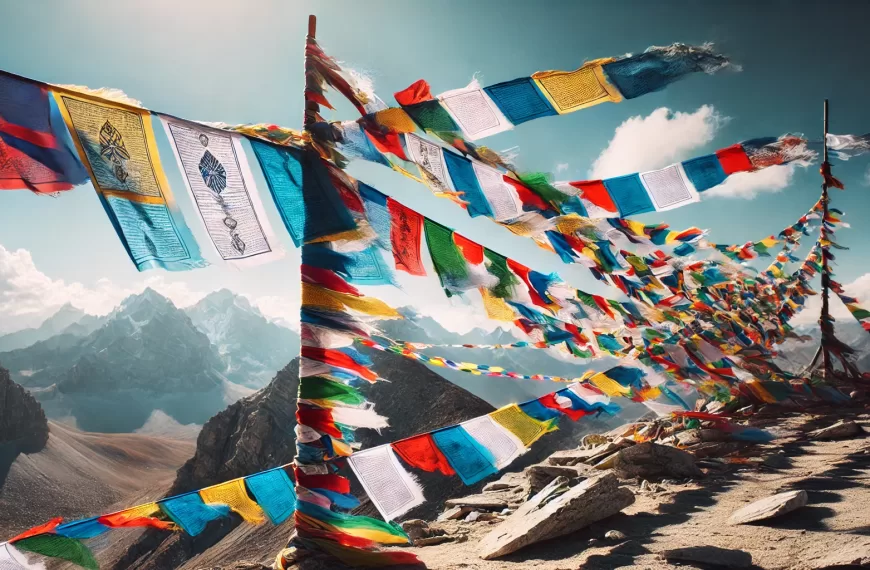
(705, 172)
(496, 308)
(390, 487)
(358, 526)
(406, 232)
(429, 158)
(527, 429)
(45, 528)
(316, 297)
(596, 199)
(11, 559)
(465, 180)
(191, 514)
(734, 159)
(142, 515)
(431, 116)
(669, 187)
(475, 113)
(449, 264)
(32, 152)
(569, 91)
(116, 142)
(629, 195)
(657, 67)
(520, 100)
(81, 529)
(54, 546)
(300, 184)
(421, 452)
(503, 200)
(468, 458)
(234, 495)
(274, 492)
(501, 443)
(216, 172)
(364, 267)
(417, 92)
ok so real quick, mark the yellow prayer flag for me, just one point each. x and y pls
(323, 298)
(496, 308)
(526, 428)
(609, 386)
(396, 120)
(235, 496)
(569, 91)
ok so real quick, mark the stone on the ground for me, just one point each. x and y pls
(711, 555)
(454, 513)
(714, 449)
(649, 461)
(770, 507)
(556, 511)
(689, 437)
(433, 540)
(614, 535)
(540, 475)
(508, 481)
(849, 553)
(416, 528)
(590, 456)
(472, 516)
(495, 501)
(840, 430)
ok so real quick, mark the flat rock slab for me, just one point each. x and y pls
(555, 512)
(770, 507)
(711, 555)
(542, 474)
(650, 460)
(854, 553)
(840, 430)
(489, 501)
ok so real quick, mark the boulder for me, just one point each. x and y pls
(769, 507)
(711, 555)
(650, 461)
(541, 474)
(508, 481)
(556, 511)
(853, 552)
(488, 501)
(689, 437)
(590, 456)
(416, 528)
(840, 430)
(454, 513)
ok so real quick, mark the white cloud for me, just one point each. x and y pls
(661, 138)
(809, 316)
(747, 185)
(867, 177)
(562, 167)
(282, 310)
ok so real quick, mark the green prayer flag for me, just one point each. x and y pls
(55, 546)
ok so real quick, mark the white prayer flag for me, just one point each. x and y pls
(669, 187)
(503, 445)
(217, 174)
(12, 559)
(502, 197)
(475, 113)
(429, 157)
(390, 487)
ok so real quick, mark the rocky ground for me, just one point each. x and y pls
(676, 518)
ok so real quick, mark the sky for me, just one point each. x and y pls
(241, 62)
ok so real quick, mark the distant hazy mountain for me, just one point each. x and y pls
(146, 356)
(252, 348)
(795, 355)
(67, 319)
(497, 391)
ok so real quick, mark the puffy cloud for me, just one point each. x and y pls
(282, 310)
(747, 185)
(562, 167)
(661, 138)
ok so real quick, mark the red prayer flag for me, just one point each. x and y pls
(471, 251)
(328, 279)
(417, 92)
(335, 483)
(523, 272)
(527, 196)
(318, 419)
(406, 232)
(595, 192)
(123, 519)
(734, 159)
(386, 142)
(338, 359)
(421, 452)
(549, 401)
(46, 528)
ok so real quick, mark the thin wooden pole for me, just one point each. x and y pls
(824, 319)
(312, 108)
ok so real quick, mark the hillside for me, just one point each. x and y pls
(146, 356)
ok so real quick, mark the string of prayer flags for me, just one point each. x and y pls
(116, 142)
(33, 155)
(216, 172)
(860, 314)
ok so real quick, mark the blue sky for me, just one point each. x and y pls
(242, 62)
